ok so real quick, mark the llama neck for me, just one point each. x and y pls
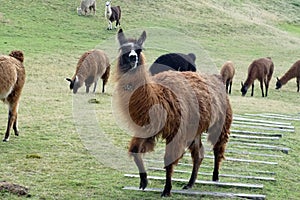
(250, 79)
(291, 73)
(108, 12)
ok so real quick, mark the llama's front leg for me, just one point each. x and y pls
(252, 90)
(267, 87)
(136, 148)
(262, 88)
(168, 184)
(227, 86)
(230, 85)
(197, 153)
(109, 25)
(95, 86)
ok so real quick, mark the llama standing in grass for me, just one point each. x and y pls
(261, 69)
(174, 61)
(293, 72)
(176, 106)
(12, 79)
(227, 72)
(91, 66)
(112, 13)
(86, 5)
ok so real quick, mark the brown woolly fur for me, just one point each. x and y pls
(91, 66)
(12, 79)
(262, 70)
(293, 72)
(227, 72)
(175, 106)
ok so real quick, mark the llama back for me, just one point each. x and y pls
(293, 72)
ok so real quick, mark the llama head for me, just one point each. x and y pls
(18, 55)
(108, 3)
(244, 89)
(74, 84)
(130, 51)
(79, 11)
(278, 84)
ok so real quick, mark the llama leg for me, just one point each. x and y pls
(95, 86)
(197, 153)
(12, 116)
(219, 147)
(137, 147)
(109, 25)
(227, 86)
(262, 88)
(298, 80)
(103, 85)
(15, 126)
(267, 87)
(252, 90)
(230, 85)
(168, 184)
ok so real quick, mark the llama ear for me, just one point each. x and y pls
(121, 37)
(277, 78)
(142, 38)
(68, 79)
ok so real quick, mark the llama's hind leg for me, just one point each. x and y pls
(252, 90)
(262, 88)
(12, 118)
(220, 146)
(197, 153)
(298, 80)
(230, 85)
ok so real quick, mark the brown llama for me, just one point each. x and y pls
(227, 72)
(91, 66)
(175, 106)
(12, 79)
(261, 69)
(293, 72)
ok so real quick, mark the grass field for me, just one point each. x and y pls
(57, 158)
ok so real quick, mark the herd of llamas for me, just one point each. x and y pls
(170, 100)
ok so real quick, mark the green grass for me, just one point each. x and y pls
(58, 159)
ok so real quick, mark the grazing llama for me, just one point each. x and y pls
(91, 66)
(175, 106)
(12, 79)
(227, 72)
(112, 13)
(261, 69)
(293, 72)
(174, 61)
(86, 5)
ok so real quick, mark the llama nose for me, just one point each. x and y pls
(133, 57)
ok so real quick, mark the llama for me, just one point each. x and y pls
(227, 72)
(85, 5)
(261, 69)
(112, 13)
(175, 106)
(293, 72)
(12, 79)
(91, 66)
(174, 61)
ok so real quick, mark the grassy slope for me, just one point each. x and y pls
(53, 37)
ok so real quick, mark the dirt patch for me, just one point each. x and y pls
(14, 189)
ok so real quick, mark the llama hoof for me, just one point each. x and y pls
(5, 140)
(143, 184)
(186, 187)
(165, 194)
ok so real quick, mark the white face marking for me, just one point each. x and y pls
(76, 79)
(133, 53)
(107, 3)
